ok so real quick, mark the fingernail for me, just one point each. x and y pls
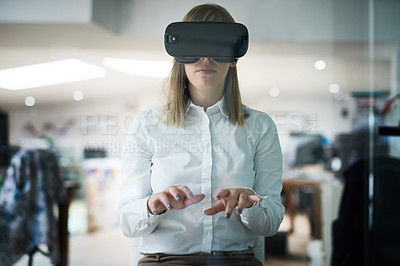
(155, 212)
(170, 206)
(227, 215)
(178, 196)
(240, 211)
(190, 195)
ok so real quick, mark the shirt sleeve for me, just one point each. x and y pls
(134, 218)
(265, 217)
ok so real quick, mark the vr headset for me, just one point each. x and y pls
(225, 42)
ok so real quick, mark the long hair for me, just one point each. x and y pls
(178, 91)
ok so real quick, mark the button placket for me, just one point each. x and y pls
(206, 180)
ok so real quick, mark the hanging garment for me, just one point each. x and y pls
(31, 190)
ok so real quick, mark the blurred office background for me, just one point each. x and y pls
(327, 72)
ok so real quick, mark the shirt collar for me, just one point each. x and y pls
(220, 105)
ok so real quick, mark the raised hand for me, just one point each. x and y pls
(172, 198)
(229, 199)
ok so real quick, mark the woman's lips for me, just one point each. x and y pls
(206, 71)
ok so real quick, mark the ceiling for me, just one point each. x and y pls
(288, 65)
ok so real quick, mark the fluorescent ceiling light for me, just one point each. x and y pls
(146, 68)
(50, 73)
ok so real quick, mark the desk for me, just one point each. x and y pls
(289, 185)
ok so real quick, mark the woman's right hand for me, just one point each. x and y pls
(172, 198)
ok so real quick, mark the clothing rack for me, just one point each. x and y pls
(21, 213)
(63, 234)
(33, 251)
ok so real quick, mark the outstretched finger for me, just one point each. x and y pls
(216, 208)
(193, 199)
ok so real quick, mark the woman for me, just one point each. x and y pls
(202, 176)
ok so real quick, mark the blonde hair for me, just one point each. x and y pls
(178, 93)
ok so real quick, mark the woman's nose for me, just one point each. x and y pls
(205, 59)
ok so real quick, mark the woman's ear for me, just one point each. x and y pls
(233, 64)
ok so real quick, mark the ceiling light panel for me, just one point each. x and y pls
(50, 73)
(144, 68)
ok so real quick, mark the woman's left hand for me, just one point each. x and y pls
(230, 198)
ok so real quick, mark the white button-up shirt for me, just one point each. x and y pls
(207, 154)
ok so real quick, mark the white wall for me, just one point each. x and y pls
(308, 115)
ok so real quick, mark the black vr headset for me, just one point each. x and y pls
(225, 42)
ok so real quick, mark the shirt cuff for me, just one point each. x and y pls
(248, 212)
